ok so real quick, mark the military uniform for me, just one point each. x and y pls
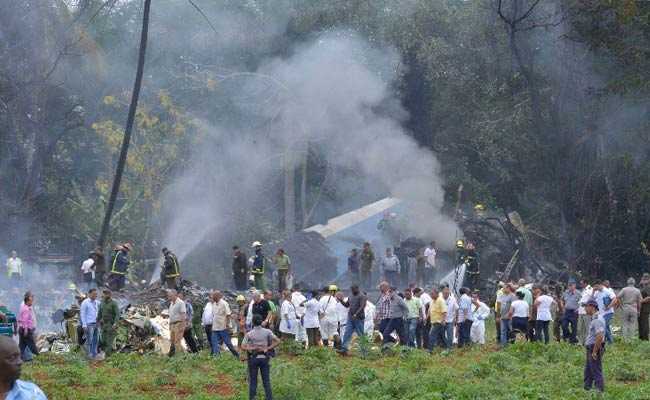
(108, 316)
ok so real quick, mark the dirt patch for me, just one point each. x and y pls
(223, 387)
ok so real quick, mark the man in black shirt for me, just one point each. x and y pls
(262, 308)
(239, 268)
(353, 266)
(356, 316)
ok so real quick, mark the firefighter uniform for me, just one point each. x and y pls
(171, 270)
(119, 266)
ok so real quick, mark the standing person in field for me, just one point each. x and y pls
(353, 266)
(257, 264)
(206, 319)
(519, 313)
(329, 321)
(283, 262)
(311, 321)
(503, 304)
(239, 268)
(584, 319)
(100, 265)
(480, 312)
(644, 314)
(413, 318)
(221, 325)
(595, 345)
(177, 319)
(88, 316)
(288, 319)
(171, 269)
(367, 260)
(390, 266)
(570, 304)
(420, 267)
(356, 305)
(452, 316)
(26, 323)
(120, 266)
(605, 297)
(258, 343)
(14, 267)
(430, 254)
(629, 299)
(88, 273)
(543, 303)
(188, 334)
(241, 318)
(108, 316)
(464, 317)
(438, 318)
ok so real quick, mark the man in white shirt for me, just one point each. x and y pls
(480, 312)
(206, 320)
(221, 315)
(605, 297)
(424, 327)
(519, 313)
(369, 321)
(177, 320)
(298, 300)
(88, 272)
(391, 267)
(430, 254)
(584, 319)
(311, 322)
(329, 322)
(14, 266)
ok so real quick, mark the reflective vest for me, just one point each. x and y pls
(120, 263)
(259, 262)
(171, 261)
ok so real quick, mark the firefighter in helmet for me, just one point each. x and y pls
(257, 264)
(171, 269)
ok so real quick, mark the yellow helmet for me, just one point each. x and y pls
(460, 243)
(241, 298)
(72, 286)
(333, 288)
(479, 207)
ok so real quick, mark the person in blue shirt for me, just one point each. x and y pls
(12, 388)
(88, 316)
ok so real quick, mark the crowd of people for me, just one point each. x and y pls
(431, 318)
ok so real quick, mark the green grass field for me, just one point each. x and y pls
(522, 371)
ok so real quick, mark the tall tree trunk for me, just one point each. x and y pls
(129, 125)
(303, 188)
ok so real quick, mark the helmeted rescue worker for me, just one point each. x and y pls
(171, 269)
(119, 266)
(257, 264)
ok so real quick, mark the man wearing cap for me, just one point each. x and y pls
(570, 302)
(595, 344)
(644, 314)
(119, 266)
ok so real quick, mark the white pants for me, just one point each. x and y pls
(328, 329)
(301, 333)
(477, 332)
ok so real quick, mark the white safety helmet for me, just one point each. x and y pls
(256, 244)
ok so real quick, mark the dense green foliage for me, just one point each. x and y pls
(544, 112)
(522, 371)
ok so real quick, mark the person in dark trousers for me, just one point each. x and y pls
(570, 303)
(258, 343)
(100, 265)
(239, 268)
(398, 311)
(188, 334)
(171, 269)
(595, 344)
(356, 316)
(367, 259)
(27, 327)
(353, 266)
(119, 266)
(644, 313)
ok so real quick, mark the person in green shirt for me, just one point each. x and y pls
(367, 259)
(108, 316)
(414, 305)
(283, 262)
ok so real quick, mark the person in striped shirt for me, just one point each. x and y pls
(464, 317)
